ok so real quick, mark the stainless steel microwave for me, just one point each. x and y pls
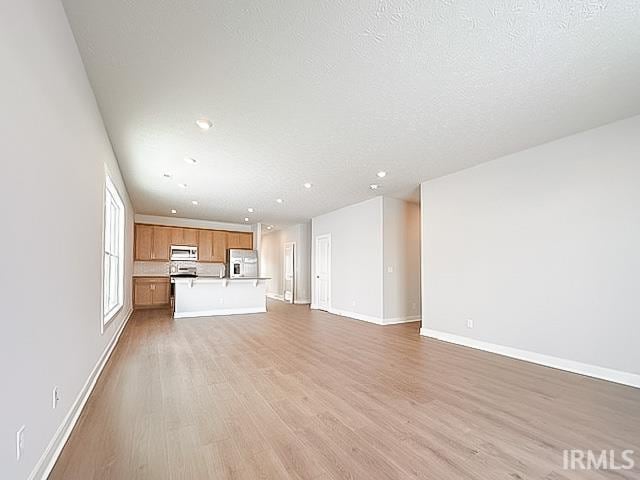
(184, 252)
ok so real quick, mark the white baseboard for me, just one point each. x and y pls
(369, 318)
(356, 316)
(220, 311)
(305, 301)
(617, 376)
(396, 320)
(52, 452)
(275, 296)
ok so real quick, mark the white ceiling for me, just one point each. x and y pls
(330, 92)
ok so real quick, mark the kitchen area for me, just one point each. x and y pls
(196, 272)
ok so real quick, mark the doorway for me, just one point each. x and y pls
(289, 270)
(323, 272)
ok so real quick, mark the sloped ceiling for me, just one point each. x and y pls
(330, 92)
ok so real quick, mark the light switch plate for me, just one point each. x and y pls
(55, 397)
(20, 442)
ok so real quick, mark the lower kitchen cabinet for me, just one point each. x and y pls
(151, 292)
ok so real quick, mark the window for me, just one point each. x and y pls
(113, 268)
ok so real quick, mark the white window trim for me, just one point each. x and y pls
(112, 191)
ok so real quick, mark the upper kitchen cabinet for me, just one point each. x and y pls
(184, 236)
(205, 246)
(242, 240)
(161, 243)
(212, 246)
(220, 240)
(152, 242)
(143, 242)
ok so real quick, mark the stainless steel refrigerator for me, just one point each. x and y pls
(242, 263)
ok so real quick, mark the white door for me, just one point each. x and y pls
(323, 272)
(289, 271)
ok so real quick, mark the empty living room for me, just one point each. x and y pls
(320, 239)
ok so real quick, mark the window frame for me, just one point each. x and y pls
(113, 225)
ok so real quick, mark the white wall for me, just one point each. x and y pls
(272, 260)
(54, 149)
(401, 250)
(356, 258)
(270, 257)
(541, 249)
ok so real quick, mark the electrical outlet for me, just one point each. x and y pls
(20, 442)
(469, 323)
(55, 397)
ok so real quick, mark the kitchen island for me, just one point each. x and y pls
(209, 296)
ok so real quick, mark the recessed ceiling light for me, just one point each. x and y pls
(191, 161)
(182, 185)
(174, 211)
(308, 185)
(250, 210)
(374, 186)
(167, 175)
(269, 227)
(204, 123)
(195, 202)
(279, 200)
(381, 174)
(246, 219)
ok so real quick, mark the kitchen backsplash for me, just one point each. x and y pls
(210, 269)
(150, 269)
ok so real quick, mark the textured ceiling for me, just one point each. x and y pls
(330, 92)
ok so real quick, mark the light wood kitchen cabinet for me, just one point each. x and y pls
(220, 240)
(176, 236)
(142, 293)
(212, 246)
(190, 236)
(161, 243)
(242, 240)
(152, 242)
(143, 242)
(151, 291)
(184, 236)
(160, 294)
(205, 246)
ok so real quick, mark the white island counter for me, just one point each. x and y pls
(207, 296)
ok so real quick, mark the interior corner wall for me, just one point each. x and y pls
(541, 249)
(55, 149)
(401, 266)
(356, 258)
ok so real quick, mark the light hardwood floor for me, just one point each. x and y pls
(303, 394)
